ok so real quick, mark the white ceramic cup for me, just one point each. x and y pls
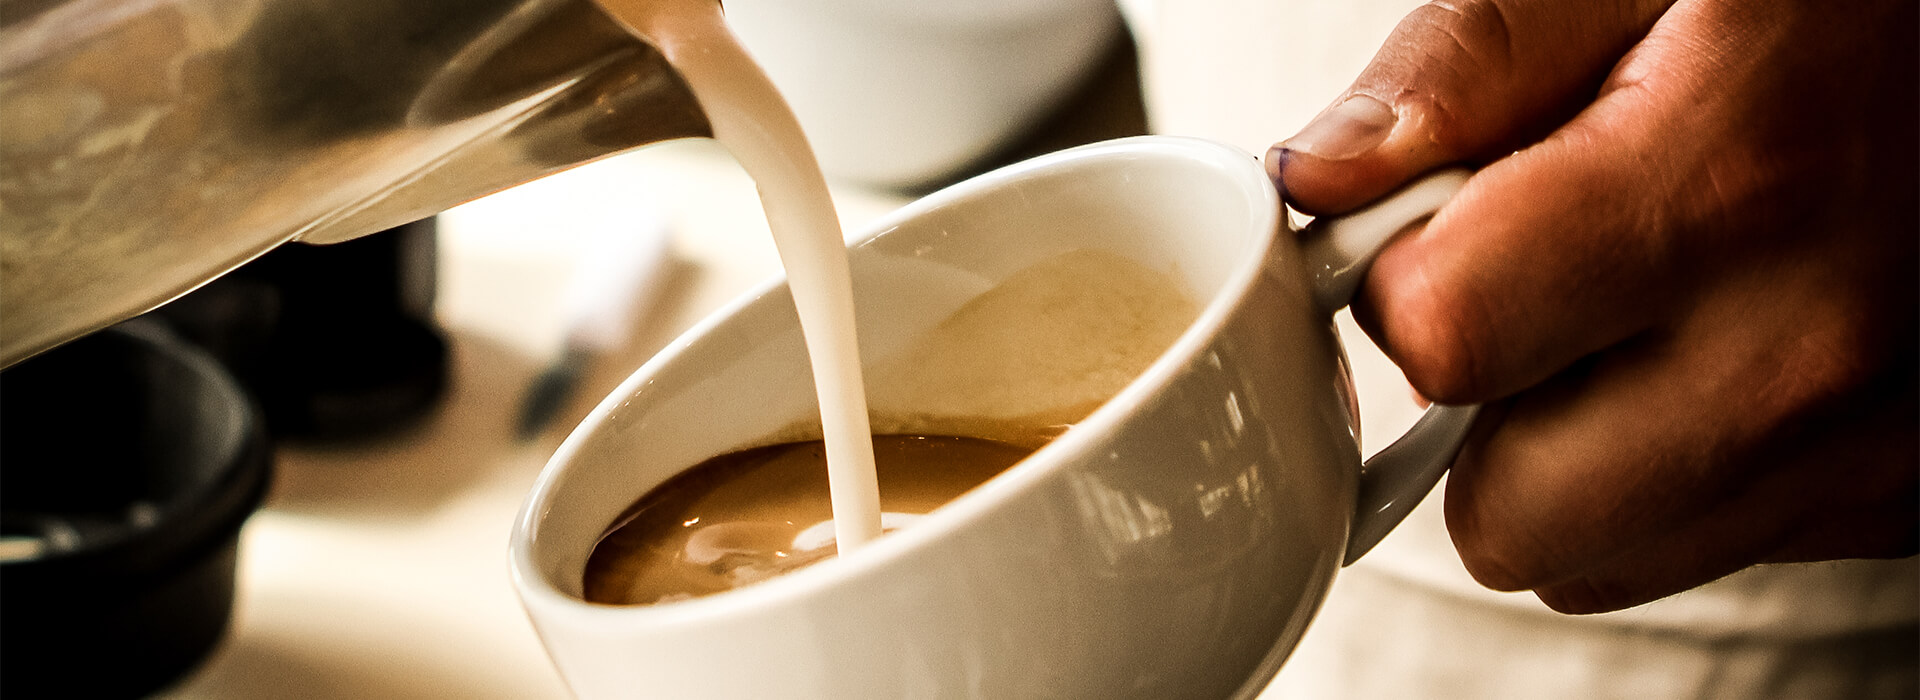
(1174, 543)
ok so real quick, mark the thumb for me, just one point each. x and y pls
(1456, 82)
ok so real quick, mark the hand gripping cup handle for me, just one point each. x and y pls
(1338, 252)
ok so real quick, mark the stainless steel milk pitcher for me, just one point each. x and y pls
(146, 146)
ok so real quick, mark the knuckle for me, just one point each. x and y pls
(1468, 34)
(1448, 48)
(1730, 191)
(1434, 113)
(1823, 369)
(1837, 362)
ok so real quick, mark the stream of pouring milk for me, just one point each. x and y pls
(753, 121)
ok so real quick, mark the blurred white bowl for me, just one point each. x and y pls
(897, 93)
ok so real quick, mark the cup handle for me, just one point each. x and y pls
(1338, 252)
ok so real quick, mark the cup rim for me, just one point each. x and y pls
(537, 592)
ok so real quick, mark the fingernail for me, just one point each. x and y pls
(1347, 130)
(1276, 162)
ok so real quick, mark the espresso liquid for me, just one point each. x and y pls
(753, 121)
(747, 516)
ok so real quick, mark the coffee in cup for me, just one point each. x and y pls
(1019, 362)
(751, 515)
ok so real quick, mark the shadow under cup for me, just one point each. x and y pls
(1173, 543)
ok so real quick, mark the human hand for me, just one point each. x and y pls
(1684, 280)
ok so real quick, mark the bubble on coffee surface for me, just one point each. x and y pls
(751, 515)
